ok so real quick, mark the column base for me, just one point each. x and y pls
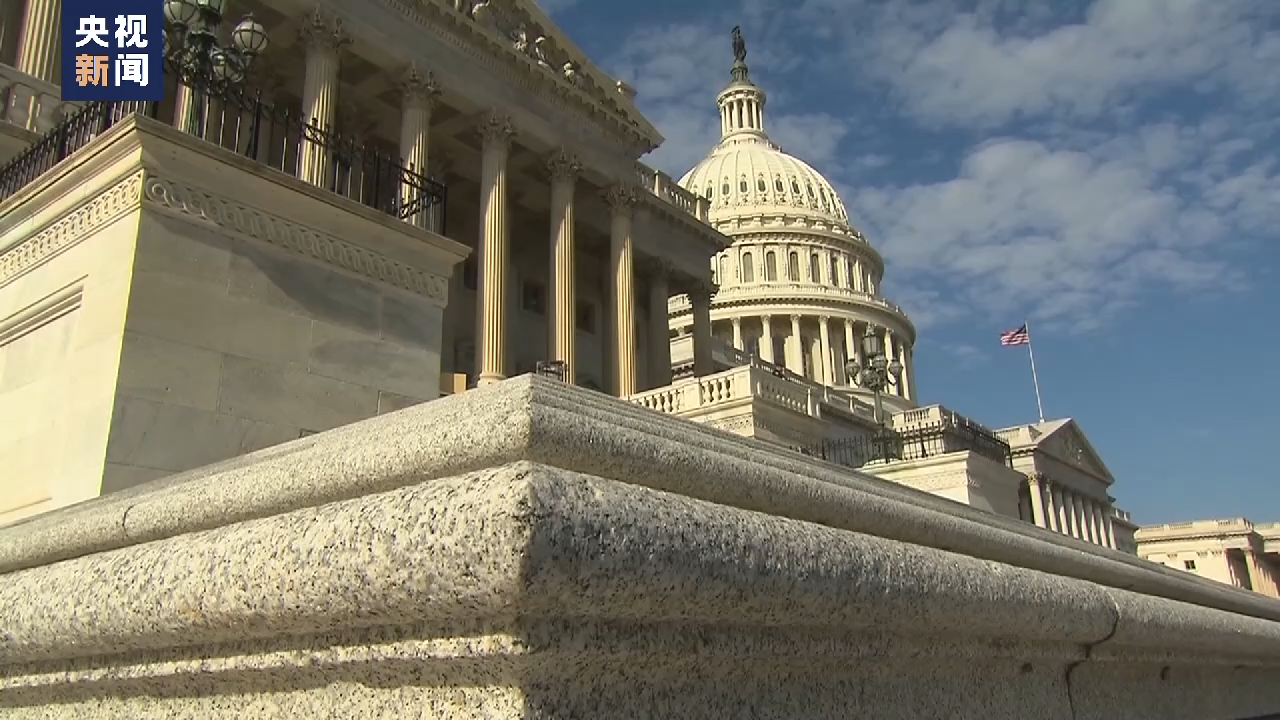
(484, 380)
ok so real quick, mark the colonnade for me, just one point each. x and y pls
(1062, 509)
(838, 341)
(324, 39)
(39, 40)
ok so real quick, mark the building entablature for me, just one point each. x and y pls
(517, 40)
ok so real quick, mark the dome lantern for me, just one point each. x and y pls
(742, 103)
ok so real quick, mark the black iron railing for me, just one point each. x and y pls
(243, 122)
(914, 443)
(856, 452)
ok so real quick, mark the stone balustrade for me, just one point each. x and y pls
(662, 186)
(29, 102)
(753, 378)
(791, 289)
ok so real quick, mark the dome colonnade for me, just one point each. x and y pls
(800, 285)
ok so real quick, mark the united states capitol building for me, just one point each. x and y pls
(299, 294)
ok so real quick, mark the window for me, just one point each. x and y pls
(1189, 564)
(724, 188)
(815, 269)
(809, 187)
(533, 297)
(835, 271)
(793, 266)
(779, 349)
(469, 279)
(795, 186)
(711, 190)
(761, 186)
(849, 274)
(770, 266)
(586, 317)
(742, 185)
(723, 272)
(753, 347)
(748, 271)
(777, 184)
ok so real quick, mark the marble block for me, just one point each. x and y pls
(585, 558)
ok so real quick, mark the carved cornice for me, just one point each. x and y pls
(322, 31)
(563, 165)
(418, 88)
(529, 64)
(496, 126)
(301, 240)
(73, 227)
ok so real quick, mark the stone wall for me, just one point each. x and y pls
(533, 550)
(165, 304)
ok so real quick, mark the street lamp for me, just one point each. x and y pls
(196, 51)
(878, 372)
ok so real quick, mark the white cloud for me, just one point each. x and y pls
(1129, 143)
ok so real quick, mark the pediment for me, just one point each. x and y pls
(1069, 444)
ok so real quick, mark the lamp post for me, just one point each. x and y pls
(202, 63)
(878, 372)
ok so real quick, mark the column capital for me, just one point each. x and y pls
(620, 198)
(766, 318)
(496, 126)
(796, 318)
(418, 88)
(563, 165)
(701, 291)
(824, 319)
(736, 321)
(322, 31)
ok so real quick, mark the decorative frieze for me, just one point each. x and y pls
(250, 222)
(69, 230)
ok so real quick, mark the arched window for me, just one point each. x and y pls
(777, 184)
(710, 190)
(742, 185)
(849, 274)
(809, 187)
(835, 271)
(815, 269)
(795, 186)
(793, 266)
(722, 271)
(724, 188)
(761, 186)
(770, 266)
(748, 271)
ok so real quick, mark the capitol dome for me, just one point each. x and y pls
(800, 286)
(748, 175)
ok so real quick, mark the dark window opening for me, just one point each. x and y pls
(585, 319)
(533, 297)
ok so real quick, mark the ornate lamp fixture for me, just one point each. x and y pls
(196, 49)
(879, 372)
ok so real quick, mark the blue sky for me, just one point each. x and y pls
(1107, 169)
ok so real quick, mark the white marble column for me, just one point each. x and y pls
(493, 261)
(700, 301)
(621, 201)
(1051, 506)
(737, 333)
(39, 45)
(766, 338)
(324, 38)
(828, 376)
(1077, 517)
(1037, 500)
(859, 278)
(796, 362)
(659, 326)
(909, 372)
(852, 350)
(563, 169)
(1087, 518)
(1094, 521)
(1109, 527)
(1064, 510)
(418, 92)
(891, 352)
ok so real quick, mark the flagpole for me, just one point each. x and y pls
(1035, 379)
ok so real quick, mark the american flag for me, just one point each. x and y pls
(1016, 337)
